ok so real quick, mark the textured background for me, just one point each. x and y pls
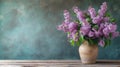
(28, 29)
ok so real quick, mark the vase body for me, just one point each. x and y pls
(88, 53)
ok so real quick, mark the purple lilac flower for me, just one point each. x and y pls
(60, 27)
(102, 9)
(97, 34)
(76, 9)
(84, 30)
(101, 26)
(97, 19)
(106, 24)
(109, 28)
(85, 23)
(112, 27)
(67, 16)
(63, 27)
(115, 34)
(106, 32)
(80, 14)
(91, 34)
(72, 26)
(73, 35)
(92, 12)
(106, 19)
(102, 43)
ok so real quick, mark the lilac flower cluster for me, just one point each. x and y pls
(91, 25)
(68, 26)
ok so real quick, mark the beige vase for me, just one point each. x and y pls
(88, 53)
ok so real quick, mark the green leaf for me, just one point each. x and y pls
(110, 35)
(77, 21)
(88, 19)
(107, 42)
(90, 41)
(112, 20)
(96, 27)
(72, 42)
(78, 43)
(93, 41)
(81, 38)
(107, 14)
(87, 16)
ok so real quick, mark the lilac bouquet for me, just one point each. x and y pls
(96, 27)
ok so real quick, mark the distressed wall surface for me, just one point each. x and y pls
(28, 29)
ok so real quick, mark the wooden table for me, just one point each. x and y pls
(57, 63)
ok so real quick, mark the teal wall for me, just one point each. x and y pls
(28, 29)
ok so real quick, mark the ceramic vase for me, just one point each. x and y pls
(88, 53)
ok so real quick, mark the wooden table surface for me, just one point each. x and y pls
(57, 63)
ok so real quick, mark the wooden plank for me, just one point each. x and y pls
(53, 61)
(57, 63)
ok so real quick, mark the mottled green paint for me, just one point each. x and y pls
(28, 29)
